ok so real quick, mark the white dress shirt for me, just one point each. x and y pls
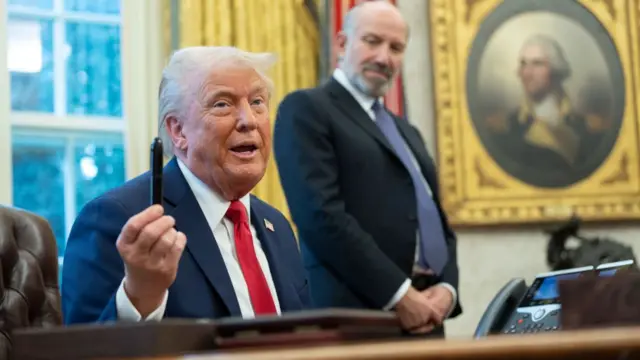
(214, 208)
(367, 102)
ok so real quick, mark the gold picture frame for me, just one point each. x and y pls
(496, 166)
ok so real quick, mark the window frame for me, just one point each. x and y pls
(142, 60)
(6, 176)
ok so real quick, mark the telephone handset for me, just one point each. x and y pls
(501, 307)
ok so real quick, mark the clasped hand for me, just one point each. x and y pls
(421, 312)
(150, 248)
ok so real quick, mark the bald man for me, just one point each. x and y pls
(362, 188)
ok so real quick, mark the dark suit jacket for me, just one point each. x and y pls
(93, 269)
(351, 198)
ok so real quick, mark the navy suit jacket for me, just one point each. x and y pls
(93, 268)
(352, 198)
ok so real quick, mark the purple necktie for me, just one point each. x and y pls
(433, 254)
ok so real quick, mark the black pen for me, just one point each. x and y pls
(156, 171)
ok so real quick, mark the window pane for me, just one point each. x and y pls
(55, 174)
(30, 62)
(93, 70)
(99, 167)
(38, 4)
(108, 7)
(38, 179)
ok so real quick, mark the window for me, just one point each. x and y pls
(71, 132)
(64, 67)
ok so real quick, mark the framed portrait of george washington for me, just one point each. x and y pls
(537, 109)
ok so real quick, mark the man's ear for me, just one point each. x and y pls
(174, 129)
(341, 43)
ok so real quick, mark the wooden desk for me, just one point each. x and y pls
(610, 344)
(173, 337)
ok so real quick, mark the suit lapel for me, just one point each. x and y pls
(201, 244)
(347, 104)
(350, 106)
(287, 294)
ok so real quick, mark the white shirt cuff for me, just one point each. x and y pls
(128, 312)
(398, 295)
(454, 294)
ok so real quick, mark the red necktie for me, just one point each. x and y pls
(259, 292)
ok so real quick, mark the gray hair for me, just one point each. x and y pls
(188, 68)
(350, 19)
(559, 65)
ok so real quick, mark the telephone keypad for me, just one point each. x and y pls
(524, 324)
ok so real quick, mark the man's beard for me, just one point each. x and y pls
(373, 88)
(376, 90)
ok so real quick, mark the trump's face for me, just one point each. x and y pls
(226, 134)
(535, 71)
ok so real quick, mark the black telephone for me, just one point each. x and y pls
(521, 309)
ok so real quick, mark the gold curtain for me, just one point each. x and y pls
(283, 27)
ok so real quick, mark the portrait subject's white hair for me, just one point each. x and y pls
(557, 60)
(186, 71)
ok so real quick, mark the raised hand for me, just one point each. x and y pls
(151, 249)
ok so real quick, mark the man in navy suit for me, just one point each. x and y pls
(361, 187)
(212, 250)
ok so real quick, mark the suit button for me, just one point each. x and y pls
(412, 217)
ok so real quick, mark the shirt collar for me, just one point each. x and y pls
(363, 99)
(211, 203)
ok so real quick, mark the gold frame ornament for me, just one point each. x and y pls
(475, 188)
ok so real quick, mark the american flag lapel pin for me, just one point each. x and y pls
(268, 225)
